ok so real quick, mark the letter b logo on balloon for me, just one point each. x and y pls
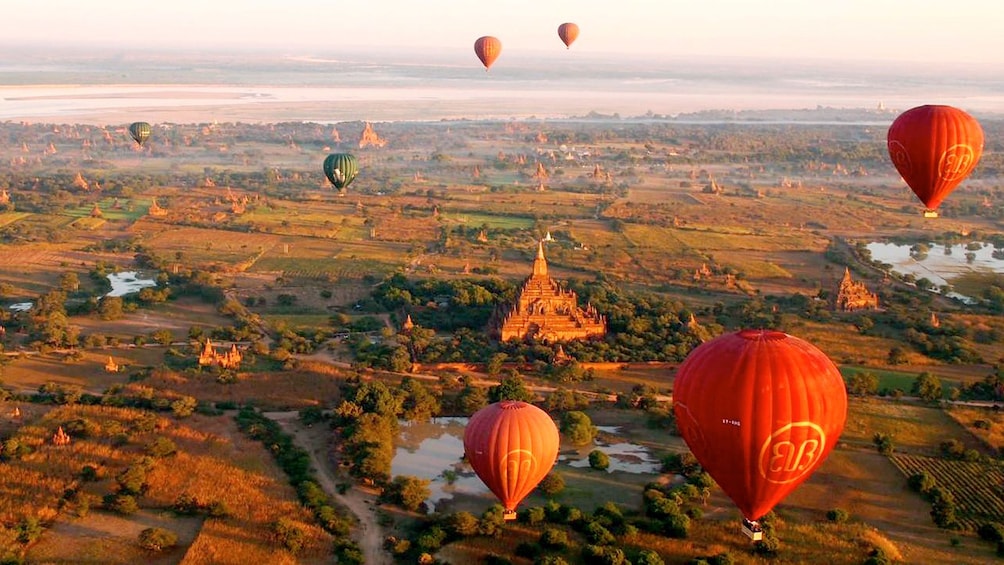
(791, 452)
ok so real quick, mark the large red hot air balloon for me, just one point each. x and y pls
(760, 410)
(512, 446)
(487, 49)
(568, 32)
(934, 148)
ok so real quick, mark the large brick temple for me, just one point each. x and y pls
(544, 311)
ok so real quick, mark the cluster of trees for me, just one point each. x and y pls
(295, 462)
(367, 419)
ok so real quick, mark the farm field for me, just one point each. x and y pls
(250, 244)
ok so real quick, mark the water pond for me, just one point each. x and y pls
(128, 282)
(939, 263)
(434, 450)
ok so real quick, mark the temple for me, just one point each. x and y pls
(853, 295)
(545, 311)
(231, 359)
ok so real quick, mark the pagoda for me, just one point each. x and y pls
(231, 359)
(546, 311)
(854, 295)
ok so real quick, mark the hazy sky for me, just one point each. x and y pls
(935, 30)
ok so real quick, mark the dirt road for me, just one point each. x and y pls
(314, 440)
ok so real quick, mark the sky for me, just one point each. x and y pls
(937, 31)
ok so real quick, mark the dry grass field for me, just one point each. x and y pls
(214, 463)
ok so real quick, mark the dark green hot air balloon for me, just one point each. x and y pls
(341, 169)
(140, 131)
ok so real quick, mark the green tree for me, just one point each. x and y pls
(578, 428)
(552, 484)
(897, 355)
(157, 539)
(408, 492)
(111, 308)
(510, 388)
(287, 534)
(599, 460)
(927, 387)
(862, 383)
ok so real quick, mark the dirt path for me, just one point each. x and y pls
(313, 440)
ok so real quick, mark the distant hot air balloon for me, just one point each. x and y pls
(568, 32)
(341, 169)
(140, 131)
(487, 49)
(934, 148)
(760, 410)
(512, 446)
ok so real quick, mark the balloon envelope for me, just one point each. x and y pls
(760, 410)
(934, 148)
(341, 169)
(140, 131)
(512, 446)
(568, 32)
(487, 49)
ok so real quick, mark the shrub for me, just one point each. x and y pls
(991, 531)
(838, 515)
(599, 460)
(287, 534)
(161, 447)
(186, 504)
(124, 504)
(157, 539)
(552, 484)
(553, 538)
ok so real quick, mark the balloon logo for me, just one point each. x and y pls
(791, 451)
(760, 410)
(956, 162)
(934, 148)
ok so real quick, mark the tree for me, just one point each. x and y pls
(599, 460)
(408, 492)
(463, 524)
(927, 386)
(862, 383)
(552, 484)
(897, 356)
(578, 428)
(69, 282)
(510, 388)
(287, 534)
(184, 406)
(883, 442)
(110, 308)
(157, 539)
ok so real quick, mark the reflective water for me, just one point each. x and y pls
(128, 282)
(434, 450)
(938, 263)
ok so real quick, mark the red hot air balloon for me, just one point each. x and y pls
(568, 32)
(487, 49)
(934, 148)
(760, 410)
(512, 446)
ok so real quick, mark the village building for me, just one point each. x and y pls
(854, 295)
(546, 311)
(230, 359)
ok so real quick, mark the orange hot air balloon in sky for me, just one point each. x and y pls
(568, 32)
(512, 446)
(487, 49)
(760, 410)
(934, 148)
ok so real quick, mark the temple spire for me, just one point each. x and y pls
(540, 263)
